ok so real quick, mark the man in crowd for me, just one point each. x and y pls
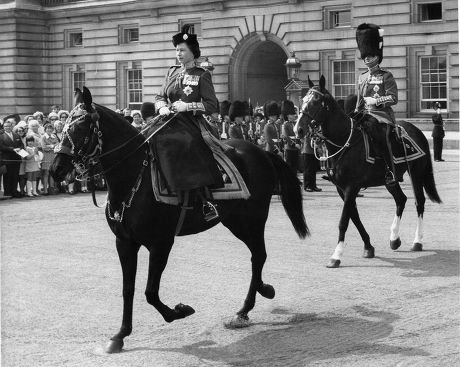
(10, 144)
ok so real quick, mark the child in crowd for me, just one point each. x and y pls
(31, 167)
(48, 142)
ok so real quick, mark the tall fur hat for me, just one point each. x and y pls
(224, 108)
(184, 36)
(237, 109)
(369, 38)
(248, 110)
(147, 110)
(271, 108)
(287, 108)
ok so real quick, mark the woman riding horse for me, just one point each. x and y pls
(186, 162)
(377, 91)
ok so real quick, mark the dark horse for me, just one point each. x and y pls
(99, 133)
(350, 172)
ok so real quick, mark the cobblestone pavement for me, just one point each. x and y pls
(61, 289)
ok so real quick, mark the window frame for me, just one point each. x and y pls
(68, 33)
(416, 12)
(135, 67)
(332, 76)
(329, 13)
(123, 31)
(420, 98)
(192, 21)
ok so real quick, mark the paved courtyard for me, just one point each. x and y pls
(61, 288)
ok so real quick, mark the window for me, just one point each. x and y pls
(341, 18)
(78, 80)
(433, 81)
(429, 11)
(74, 38)
(343, 78)
(336, 17)
(195, 26)
(128, 33)
(134, 91)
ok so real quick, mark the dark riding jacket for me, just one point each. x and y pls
(186, 162)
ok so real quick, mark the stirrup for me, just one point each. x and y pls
(390, 178)
(209, 211)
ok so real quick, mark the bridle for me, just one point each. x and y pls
(315, 126)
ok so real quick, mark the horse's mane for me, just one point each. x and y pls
(115, 116)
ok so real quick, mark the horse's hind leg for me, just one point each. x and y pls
(400, 200)
(252, 235)
(158, 258)
(127, 253)
(420, 205)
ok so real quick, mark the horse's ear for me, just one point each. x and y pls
(87, 99)
(322, 82)
(310, 83)
(77, 97)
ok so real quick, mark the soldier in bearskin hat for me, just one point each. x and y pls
(238, 129)
(271, 132)
(377, 92)
(186, 161)
(291, 152)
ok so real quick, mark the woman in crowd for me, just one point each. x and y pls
(48, 143)
(138, 123)
(62, 115)
(34, 131)
(41, 120)
(21, 130)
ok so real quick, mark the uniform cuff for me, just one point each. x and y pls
(195, 106)
(383, 100)
(159, 105)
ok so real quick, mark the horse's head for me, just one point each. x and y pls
(315, 108)
(80, 137)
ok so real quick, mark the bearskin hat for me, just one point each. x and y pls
(189, 39)
(287, 108)
(237, 109)
(369, 38)
(147, 110)
(248, 110)
(271, 108)
(224, 108)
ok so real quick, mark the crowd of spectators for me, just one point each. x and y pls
(27, 146)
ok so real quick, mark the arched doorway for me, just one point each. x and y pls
(257, 71)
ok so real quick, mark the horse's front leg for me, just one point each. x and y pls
(349, 210)
(159, 253)
(127, 252)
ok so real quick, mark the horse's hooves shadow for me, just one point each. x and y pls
(430, 263)
(303, 339)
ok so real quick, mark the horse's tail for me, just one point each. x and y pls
(291, 195)
(429, 184)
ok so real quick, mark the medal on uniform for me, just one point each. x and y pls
(376, 88)
(187, 90)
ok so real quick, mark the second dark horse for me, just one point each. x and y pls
(147, 222)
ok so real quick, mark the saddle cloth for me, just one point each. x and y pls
(234, 185)
(413, 151)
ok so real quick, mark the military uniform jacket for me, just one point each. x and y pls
(438, 129)
(270, 133)
(381, 85)
(238, 131)
(193, 86)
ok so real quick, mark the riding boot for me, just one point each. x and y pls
(390, 176)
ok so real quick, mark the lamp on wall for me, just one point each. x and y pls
(293, 66)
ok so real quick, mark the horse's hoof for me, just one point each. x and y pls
(267, 291)
(114, 346)
(369, 254)
(394, 244)
(181, 311)
(417, 246)
(238, 322)
(333, 263)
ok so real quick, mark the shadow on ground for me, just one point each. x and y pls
(438, 263)
(303, 339)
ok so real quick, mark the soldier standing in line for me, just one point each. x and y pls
(238, 130)
(271, 133)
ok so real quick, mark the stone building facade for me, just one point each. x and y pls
(121, 49)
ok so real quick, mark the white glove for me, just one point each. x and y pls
(370, 100)
(164, 111)
(180, 106)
